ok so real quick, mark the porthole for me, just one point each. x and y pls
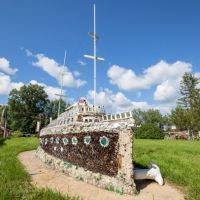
(74, 140)
(65, 141)
(51, 140)
(87, 140)
(104, 141)
(57, 140)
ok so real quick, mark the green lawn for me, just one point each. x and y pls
(179, 162)
(14, 180)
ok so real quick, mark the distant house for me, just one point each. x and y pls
(168, 127)
(173, 127)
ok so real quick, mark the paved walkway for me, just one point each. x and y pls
(43, 176)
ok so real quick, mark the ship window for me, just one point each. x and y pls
(123, 115)
(96, 120)
(90, 120)
(127, 114)
(109, 117)
(86, 120)
(113, 116)
(72, 119)
(104, 117)
(118, 116)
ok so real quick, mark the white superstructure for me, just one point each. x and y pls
(88, 113)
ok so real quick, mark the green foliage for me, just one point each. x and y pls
(14, 180)
(51, 109)
(25, 106)
(149, 131)
(17, 134)
(178, 162)
(150, 116)
(182, 118)
(2, 140)
(189, 91)
(187, 115)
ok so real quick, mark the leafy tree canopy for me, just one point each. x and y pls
(189, 92)
(150, 116)
(187, 114)
(149, 131)
(25, 106)
(51, 109)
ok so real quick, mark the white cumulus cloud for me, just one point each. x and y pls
(165, 76)
(117, 102)
(6, 84)
(6, 68)
(55, 69)
(76, 73)
(167, 91)
(197, 75)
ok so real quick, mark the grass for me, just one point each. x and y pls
(179, 162)
(14, 180)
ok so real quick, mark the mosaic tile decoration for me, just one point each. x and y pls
(96, 152)
(99, 154)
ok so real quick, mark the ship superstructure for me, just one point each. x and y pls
(82, 111)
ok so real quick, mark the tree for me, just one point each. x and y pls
(182, 118)
(138, 116)
(187, 115)
(149, 131)
(4, 118)
(153, 116)
(189, 92)
(51, 109)
(1, 112)
(150, 116)
(25, 106)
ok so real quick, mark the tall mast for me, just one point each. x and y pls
(61, 85)
(95, 61)
(94, 57)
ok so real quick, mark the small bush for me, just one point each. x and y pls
(2, 140)
(149, 131)
(17, 134)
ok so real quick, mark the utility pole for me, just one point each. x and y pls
(61, 85)
(94, 57)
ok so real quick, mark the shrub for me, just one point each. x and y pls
(2, 140)
(17, 134)
(149, 131)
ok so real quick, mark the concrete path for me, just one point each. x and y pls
(43, 176)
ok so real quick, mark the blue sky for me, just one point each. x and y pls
(147, 46)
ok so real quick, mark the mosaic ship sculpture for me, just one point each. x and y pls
(92, 146)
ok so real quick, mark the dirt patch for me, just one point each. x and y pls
(43, 176)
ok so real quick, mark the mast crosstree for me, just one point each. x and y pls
(94, 57)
